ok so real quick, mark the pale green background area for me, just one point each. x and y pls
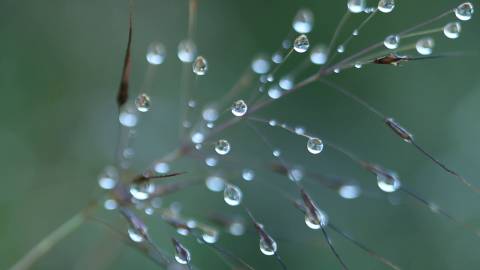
(59, 72)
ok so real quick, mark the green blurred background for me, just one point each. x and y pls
(59, 72)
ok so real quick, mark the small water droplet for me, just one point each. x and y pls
(303, 21)
(295, 174)
(386, 6)
(142, 191)
(156, 53)
(274, 92)
(248, 174)
(200, 66)
(356, 6)
(358, 65)
(314, 145)
(286, 82)
(276, 152)
(392, 42)
(318, 55)
(301, 44)
(425, 46)
(128, 117)
(355, 32)
(452, 30)
(272, 122)
(222, 147)
(236, 228)
(182, 255)
(349, 191)
(162, 167)
(268, 246)
(108, 178)
(277, 58)
(191, 103)
(260, 64)
(197, 137)
(143, 103)
(210, 114)
(336, 70)
(215, 183)
(210, 235)
(464, 11)
(316, 219)
(388, 181)
(110, 204)
(187, 50)
(239, 108)
(211, 161)
(232, 195)
(300, 130)
(341, 49)
(134, 235)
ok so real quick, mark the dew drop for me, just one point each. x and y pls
(349, 191)
(200, 66)
(277, 58)
(108, 178)
(295, 174)
(215, 183)
(391, 42)
(386, 6)
(356, 6)
(182, 255)
(222, 147)
(187, 50)
(236, 228)
(452, 30)
(425, 46)
(464, 11)
(286, 82)
(336, 70)
(300, 130)
(301, 44)
(303, 21)
(268, 246)
(143, 103)
(388, 181)
(197, 137)
(260, 65)
(272, 122)
(276, 152)
(274, 92)
(156, 53)
(314, 145)
(210, 236)
(316, 220)
(239, 108)
(142, 191)
(358, 65)
(134, 235)
(355, 32)
(211, 161)
(318, 55)
(161, 167)
(248, 174)
(128, 117)
(110, 204)
(341, 49)
(232, 195)
(210, 114)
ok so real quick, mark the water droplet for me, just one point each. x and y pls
(318, 55)
(355, 32)
(388, 181)
(295, 174)
(182, 255)
(286, 44)
(239, 108)
(191, 103)
(316, 219)
(200, 66)
(108, 178)
(210, 114)
(286, 82)
(222, 147)
(187, 50)
(392, 42)
(358, 65)
(128, 117)
(425, 46)
(356, 6)
(276, 152)
(268, 246)
(162, 167)
(134, 235)
(270, 77)
(274, 92)
(149, 211)
(314, 145)
(452, 30)
(156, 53)
(210, 125)
(197, 137)
(464, 11)
(110, 204)
(301, 44)
(260, 64)
(272, 122)
(300, 130)
(142, 191)
(210, 235)
(341, 48)
(336, 70)
(211, 161)
(248, 174)
(277, 58)
(303, 21)
(215, 183)
(232, 195)
(143, 103)
(386, 6)
(236, 228)
(349, 191)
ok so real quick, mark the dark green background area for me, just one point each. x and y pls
(59, 72)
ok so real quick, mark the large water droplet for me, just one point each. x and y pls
(318, 55)
(182, 255)
(239, 108)
(232, 195)
(388, 181)
(222, 147)
(356, 6)
(425, 46)
(268, 246)
(392, 42)
(303, 21)
(452, 30)
(215, 183)
(156, 53)
(187, 50)
(301, 44)
(143, 103)
(260, 64)
(386, 6)
(200, 66)
(314, 145)
(108, 178)
(464, 11)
